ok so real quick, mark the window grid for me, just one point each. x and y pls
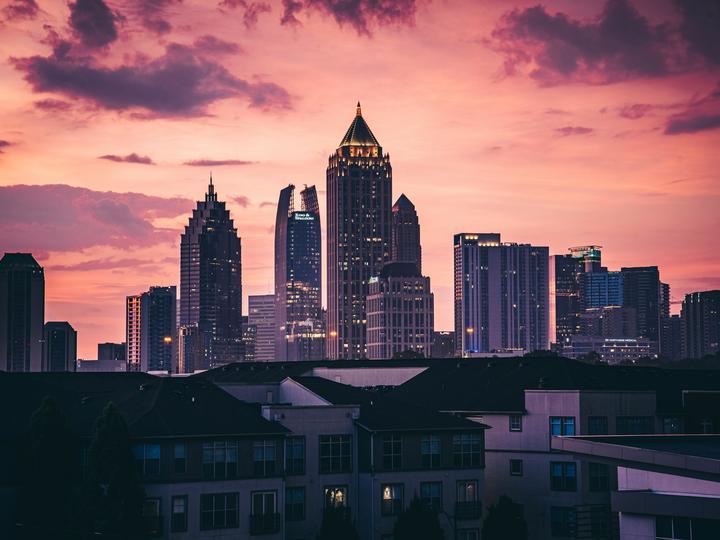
(562, 425)
(295, 503)
(335, 453)
(392, 499)
(264, 453)
(467, 451)
(220, 459)
(392, 452)
(563, 476)
(431, 495)
(430, 451)
(219, 511)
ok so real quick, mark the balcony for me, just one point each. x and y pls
(468, 510)
(264, 524)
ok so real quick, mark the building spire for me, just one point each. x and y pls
(358, 110)
(211, 191)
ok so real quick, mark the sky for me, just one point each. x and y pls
(558, 123)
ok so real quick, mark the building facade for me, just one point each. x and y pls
(59, 347)
(570, 270)
(406, 233)
(132, 332)
(359, 191)
(111, 351)
(701, 323)
(443, 344)
(189, 349)
(150, 330)
(261, 316)
(642, 291)
(603, 288)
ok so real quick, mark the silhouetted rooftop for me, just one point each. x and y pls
(18, 260)
(359, 134)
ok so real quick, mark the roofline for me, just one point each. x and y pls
(477, 426)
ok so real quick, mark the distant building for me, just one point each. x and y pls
(601, 289)
(400, 312)
(406, 233)
(671, 338)
(609, 321)
(501, 295)
(132, 332)
(22, 312)
(59, 347)
(111, 351)
(189, 350)
(249, 339)
(261, 315)
(570, 270)
(443, 344)
(101, 366)
(610, 350)
(701, 322)
(150, 330)
(642, 291)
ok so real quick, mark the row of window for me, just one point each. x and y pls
(563, 476)
(597, 425)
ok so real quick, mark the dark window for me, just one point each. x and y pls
(295, 455)
(152, 519)
(515, 422)
(563, 476)
(430, 451)
(336, 496)
(294, 504)
(562, 521)
(335, 453)
(392, 452)
(220, 459)
(467, 451)
(219, 511)
(635, 425)
(264, 457)
(516, 467)
(147, 458)
(468, 534)
(599, 477)
(467, 491)
(562, 425)
(392, 499)
(431, 495)
(672, 424)
(597, 425)
(263, 503)
(180, 454)
(179, 517)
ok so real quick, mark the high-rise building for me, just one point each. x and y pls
(406, 233)
(111, 351)
(671, 338)
(261, 315)
(400, 312)
(569, 300)
(701, 322)
(210, 280)
(501, 297)
(602, 289)
(443, 344)
(359, 191)
(150, 330)
(132, 332)
(249, 337)
(22, 312)
(189, 349)
(298, 284)
(59, 347)
(609, 322)
(642, 291)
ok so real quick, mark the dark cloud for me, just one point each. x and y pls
(211, 44)
(619, 44)
(4, 144)
(179, 83)
(153, 14)
(59, 217)
(266, 203)
(216, 162)
(574, 130)
(251, 10)
(93, 23)
(20, 9)
(53, 105)
(130, 158)
(360, 14)
(98, 264)
(241, 200)
(692, 124)
(700, 27)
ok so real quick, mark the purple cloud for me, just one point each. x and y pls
(216, 162)
(58, 217)
(241, 200)
(52, 105)
(4, 144)
(251, 10)
(699, 27)
(211, 44)
(692, 124)
(98, 264)
(153, 14)
(130, 158)
(93, 23)
(574, 130)
(21, 9)
(266, 203)
(180, 83)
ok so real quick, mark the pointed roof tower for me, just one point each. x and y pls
(403, 203)
(359, 134)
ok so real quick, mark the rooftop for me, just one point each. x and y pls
(359, 134)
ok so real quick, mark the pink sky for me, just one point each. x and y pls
(559, 125)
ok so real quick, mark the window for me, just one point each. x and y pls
(677, 528)
(218, 511)
(562, 425)
(180, 461)
(392, 452)
(672, 424)
(264, 518)
(563, 476)
(179, 517)
(516, 467)
(264, 458)
(147, 458)
(635, 425)
(392, 499)
(430, 451)
(467, 451)
(431, 495)
(151, 516)
(562, 521)
(515, 422)
(467, 491)
(468, 534)
(220, 459)
(599, 477)
(294, 504)
(335, 453)
(597, 425)
(295, 455)
(336, 496)
(263, 503)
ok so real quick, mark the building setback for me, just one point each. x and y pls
(22, 312)
(59, 347)
(359, 191)
(501, 295)
(701, 322)
(261, 315)
(406, 233)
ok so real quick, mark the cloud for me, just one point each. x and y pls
(241, 200)
(266, 203)
(213, 45)
(359, 14)
(180, 83)
(130, 158)
(217, 162)
(153, 14)
(93, 23)
(619, 44)
(701, 114)
(574, 130)
(98, 264)
(251, 10)
(54, 105)
(21, 9)
(58, 217)
(4, 144)
(699, 27)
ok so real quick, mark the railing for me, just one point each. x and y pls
(468, 510)
(264, 523)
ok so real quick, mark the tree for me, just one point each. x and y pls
(417, 522)
(337, 524)
(505, 521)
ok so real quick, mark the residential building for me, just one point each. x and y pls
(132, 332)
(261, 315)
(642, 292)
(406, 233)
(150, 330)
(111, 351)
(701, 323)
(59, 346)
(443, 344)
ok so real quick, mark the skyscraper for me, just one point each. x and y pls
(189, 349)
(502, 298)
(298, 329)
(22, 312)
(111, 351)
(150, 330)
(59, 347)
(359, 191)
(701, 322)
(569, 299)
(261, 316)
(210, 280)
(602, 289)
(642, 291)
(406, 233)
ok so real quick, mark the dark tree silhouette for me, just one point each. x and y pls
(337, 524)
(505, 521)
(417, 522)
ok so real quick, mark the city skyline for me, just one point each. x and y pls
(526, 154)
